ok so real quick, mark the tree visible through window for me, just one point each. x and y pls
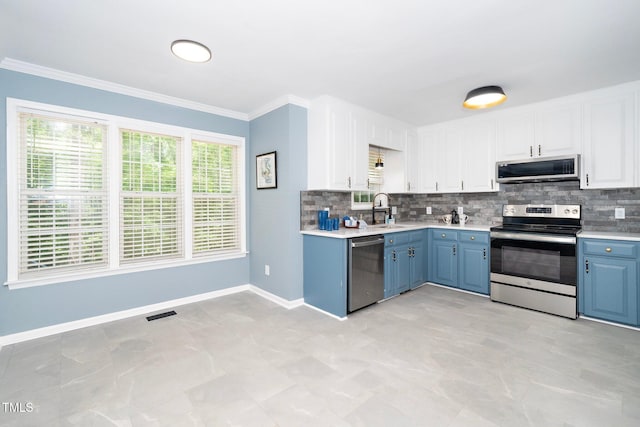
(90, 193)
(62, 195)
(215, 198)
(150, 220)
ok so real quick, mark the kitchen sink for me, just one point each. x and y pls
(391, 226)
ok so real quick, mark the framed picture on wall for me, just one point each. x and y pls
(266, 171)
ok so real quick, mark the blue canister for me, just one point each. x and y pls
(322, 219)
(336, 223)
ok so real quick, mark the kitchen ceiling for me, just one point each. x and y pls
(410, 59)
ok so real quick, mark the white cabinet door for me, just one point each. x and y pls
(608, 146)
(359, 171)
(428, 177)
(478, 157)
(340, 148)
(449, 178)
(413, 163)
(515, 136)
(557, 131)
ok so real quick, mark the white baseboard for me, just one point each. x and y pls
(619, 325)
(326, 313)
(110, 317)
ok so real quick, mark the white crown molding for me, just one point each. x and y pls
(274, 105)
(51, 73)
(138, 311)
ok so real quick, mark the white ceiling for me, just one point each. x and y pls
(410, 59)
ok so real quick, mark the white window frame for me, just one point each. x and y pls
(114, 160)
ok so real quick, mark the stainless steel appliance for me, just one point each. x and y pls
(533, 258)
(539, 169)
(365, 282)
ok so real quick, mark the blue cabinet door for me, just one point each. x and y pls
(474, 268)
(444, 263)
(417, 264)
(404, 268)
(390, 271)
(610, 289)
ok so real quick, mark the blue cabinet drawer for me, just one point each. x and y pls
(610, 248)
(473, 237)
(393, 239)
(444, 234)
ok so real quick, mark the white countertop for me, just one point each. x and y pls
(348, 233)
(612, 235)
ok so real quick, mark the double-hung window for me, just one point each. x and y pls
(62, 203)
(92, 194)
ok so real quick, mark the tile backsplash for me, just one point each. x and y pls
(486, 208)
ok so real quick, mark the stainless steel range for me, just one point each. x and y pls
(533, 258)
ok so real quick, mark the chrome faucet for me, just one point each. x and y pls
(373, 209)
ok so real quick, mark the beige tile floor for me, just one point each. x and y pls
(431, 357)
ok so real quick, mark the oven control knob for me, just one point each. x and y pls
(575, 211)
(567, 211)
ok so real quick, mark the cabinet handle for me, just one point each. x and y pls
(408, 186)
(349, 182)
(484, 253)
(368, 185)
(462, 184)
(531, 151)
(492, 184)
(586, 266)
(607, 250)
(394, 257)
(436, 185)
(409, 252)
(539, 150)
(587, 180)
(473, 237)
(391, 241)
(443, 235)
(454, 250)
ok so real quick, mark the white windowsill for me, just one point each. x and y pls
(156, 265)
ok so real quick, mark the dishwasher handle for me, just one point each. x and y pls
(362, 243)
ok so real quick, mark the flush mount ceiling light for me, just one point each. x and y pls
(484, 97)
(190, 51)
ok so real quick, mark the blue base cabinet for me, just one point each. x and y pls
(404, 262)
(443, 261)
(473, 269)
(325, 274)
(608, 280)
(459, 259)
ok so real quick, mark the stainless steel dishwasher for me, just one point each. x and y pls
(366, 272)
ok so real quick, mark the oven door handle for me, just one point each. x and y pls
(533, 237)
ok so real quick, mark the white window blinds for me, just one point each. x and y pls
(62, 195)
(376, 176)
(216, 198)
(150, 197)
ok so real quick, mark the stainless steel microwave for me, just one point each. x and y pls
(563, 168)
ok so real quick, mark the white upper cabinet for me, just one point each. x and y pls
(547, 130)
(515, 136)
(458, 157)
(413, 163)
(339, 136)
(331, 149)
(449, 158)
(608, 145)
(557, 130)
(478, 157)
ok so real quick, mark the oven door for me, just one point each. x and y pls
(537, 258)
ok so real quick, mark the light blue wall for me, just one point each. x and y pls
(25, 309)
(275, 215)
